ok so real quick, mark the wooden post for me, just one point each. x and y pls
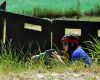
(4, 32)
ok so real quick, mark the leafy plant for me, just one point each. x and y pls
(94, 49)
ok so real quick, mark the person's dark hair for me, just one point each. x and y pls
(73, 38)
(72, 41)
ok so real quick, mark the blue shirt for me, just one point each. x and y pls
(79, 53)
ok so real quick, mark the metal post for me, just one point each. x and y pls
(51, 39)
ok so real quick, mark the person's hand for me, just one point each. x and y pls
(56, 56)
(64, 55)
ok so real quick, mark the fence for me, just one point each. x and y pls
(17, 31)
(2, 7)
(86, 28)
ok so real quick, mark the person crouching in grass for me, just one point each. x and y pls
(71, 47)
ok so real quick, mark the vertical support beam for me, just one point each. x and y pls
(51, 39)
(4, 32)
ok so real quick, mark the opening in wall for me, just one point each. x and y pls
(33, 27)
(73, 31)
(98, 33)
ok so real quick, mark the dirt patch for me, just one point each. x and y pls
(67, 75)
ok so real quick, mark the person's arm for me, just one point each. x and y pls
(36, 56)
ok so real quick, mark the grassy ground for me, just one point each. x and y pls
(66, 75)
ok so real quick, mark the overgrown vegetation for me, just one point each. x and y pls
(55, 8)
(94, 49)
(16, 62)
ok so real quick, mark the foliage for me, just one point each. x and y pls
(55, 8)
(16, 62)
(93, 46)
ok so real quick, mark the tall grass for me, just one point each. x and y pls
(12, 61)
(16, 61)
(9, 60)
(93, 47)
(55, 8)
